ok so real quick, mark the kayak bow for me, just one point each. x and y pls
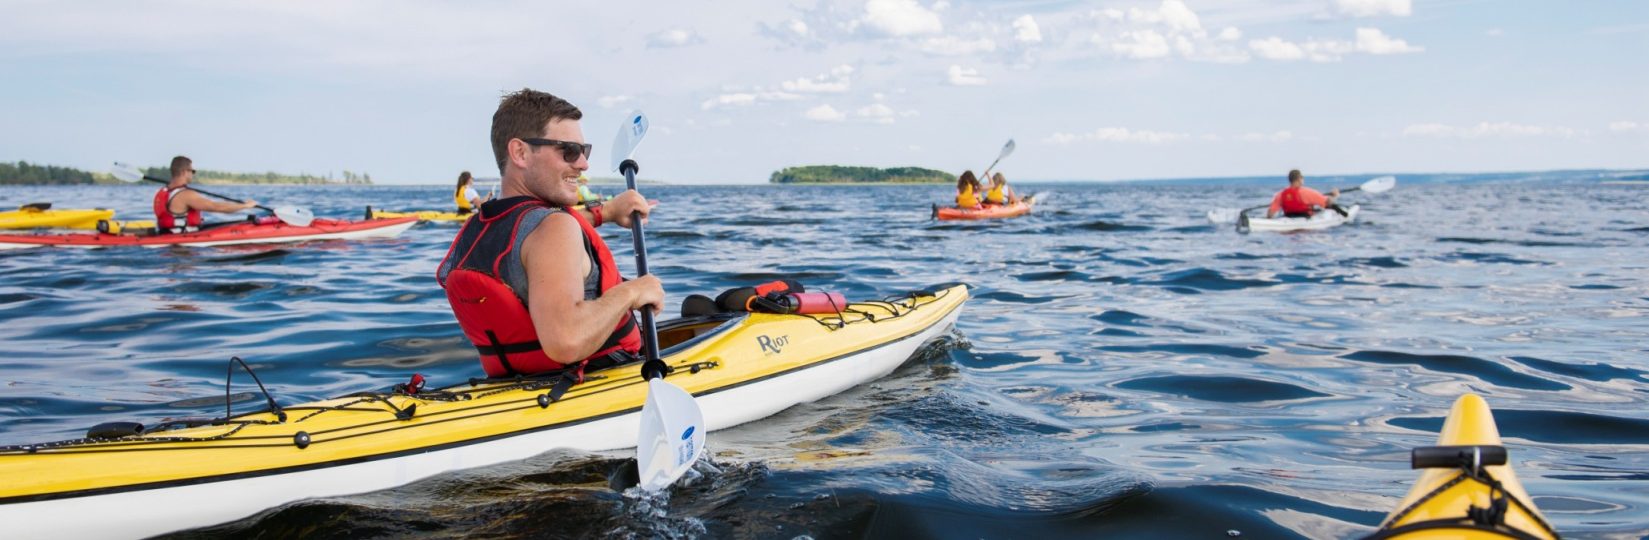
(1468, 490)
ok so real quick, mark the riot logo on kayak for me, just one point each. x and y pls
(770, 346)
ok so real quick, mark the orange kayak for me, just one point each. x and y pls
(989, 211)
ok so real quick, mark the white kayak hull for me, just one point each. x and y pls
(1325, 219)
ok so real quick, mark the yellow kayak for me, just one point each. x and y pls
(1467, 490)
(422, 215)
(38, 216)
(126, 480)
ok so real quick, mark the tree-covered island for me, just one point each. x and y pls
(836, 174)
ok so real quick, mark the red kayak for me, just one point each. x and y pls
(261, 230)
(989, 211)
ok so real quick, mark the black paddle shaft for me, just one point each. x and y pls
(204, 192)
(649, 328)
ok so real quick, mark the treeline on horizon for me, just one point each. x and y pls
(220, 177)
(837, 174)
(23, 172)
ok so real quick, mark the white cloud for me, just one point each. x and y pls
(876, 112)
(1494, 32)
(1278, 136)
(1374, 8)
(955, 46)
(961, 76)
(1369, 41)
(796, 26)
(1274, 48)
(608, 102)
(1170, 29)
(1373, 41)
(837, 81)
(673, 37)
(1173, 13)
(1025, 30)
(1626, 125)
(1141, 45)
(726, 100)
(1488, 129)
(740, 99)
(1118, 135)
(824, 113)
(899, 18)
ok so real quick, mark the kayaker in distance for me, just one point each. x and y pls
(178, 208)
(1000, 193)
(967, 190)
(584, 193)
(529, 279)
(465, 195)
(1298, 201)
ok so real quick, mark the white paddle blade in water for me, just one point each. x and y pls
(1222, 215)
(671, 437)
(292, 215)
(1377, 185)
(630, 133)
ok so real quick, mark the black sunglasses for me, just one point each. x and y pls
(569, 150)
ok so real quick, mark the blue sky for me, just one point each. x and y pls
(1097, 90)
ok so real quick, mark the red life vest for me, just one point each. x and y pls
(1293, 203)
(490, 299)
(167, 221)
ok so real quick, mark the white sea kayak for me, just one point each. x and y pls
(1321, 220)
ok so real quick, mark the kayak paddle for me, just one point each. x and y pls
(1006, 149)
(291, 215)
(671, 437)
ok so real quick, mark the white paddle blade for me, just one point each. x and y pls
(630, 133)
(1381, 184)
(298, 217)
(125, 172)
(671, 437)
(1006, 149)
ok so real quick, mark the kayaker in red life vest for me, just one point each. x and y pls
(1296, 200)
(530, 280)
(178, 208)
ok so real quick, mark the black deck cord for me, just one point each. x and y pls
(1489, 519)
(228, 378)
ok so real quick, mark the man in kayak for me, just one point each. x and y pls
(531, 282)
(999, 193)
(967, 190)
(178, 208)
(1298, 201)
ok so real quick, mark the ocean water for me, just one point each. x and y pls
(1124, 369)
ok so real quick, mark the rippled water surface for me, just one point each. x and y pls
(1125, 368)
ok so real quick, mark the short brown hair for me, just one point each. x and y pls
(181, 164)
(522, 115)
(1295, 175)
